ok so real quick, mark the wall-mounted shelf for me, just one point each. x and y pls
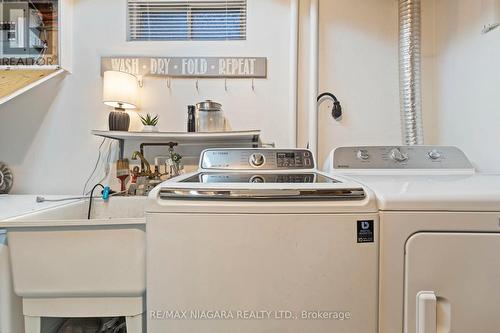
(233, 138)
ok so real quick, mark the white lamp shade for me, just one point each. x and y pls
(120, 90)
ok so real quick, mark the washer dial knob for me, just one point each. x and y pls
(398, 156)
(434, 154)
(257, 160)
(362, 155)
(257, 179)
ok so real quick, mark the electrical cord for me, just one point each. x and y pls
(95, 167)
(41, 199)
(337, 107)
(91, 197)
(38, 61)
(108, 161)
(105, 195)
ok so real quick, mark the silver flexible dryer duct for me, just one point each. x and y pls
(410, 71)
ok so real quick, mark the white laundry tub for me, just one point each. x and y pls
(67, 266)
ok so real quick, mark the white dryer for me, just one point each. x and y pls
(259, 241)
(439, 237)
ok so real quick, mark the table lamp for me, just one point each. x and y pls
(120, 92)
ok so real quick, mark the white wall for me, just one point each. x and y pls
(359, 64)
(468, 82)
(45, 134)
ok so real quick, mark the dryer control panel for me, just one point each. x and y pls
(257, 159)
(400, 157)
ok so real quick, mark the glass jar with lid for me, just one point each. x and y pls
(210, 117)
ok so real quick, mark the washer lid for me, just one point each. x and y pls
(261, 177)
(265, 185)
(262, 194)
(261, 198)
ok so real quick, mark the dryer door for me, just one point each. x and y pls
(452, 283)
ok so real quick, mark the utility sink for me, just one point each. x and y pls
(66, 265)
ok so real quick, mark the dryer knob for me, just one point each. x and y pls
(434, 154)
(362, 155)
(398, 156)
(257, 160)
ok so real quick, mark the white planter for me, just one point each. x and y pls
(148, 128)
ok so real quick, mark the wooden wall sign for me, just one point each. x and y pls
(188, 67)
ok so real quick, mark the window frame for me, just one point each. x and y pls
(193, 6)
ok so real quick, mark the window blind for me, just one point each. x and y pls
(187, 20)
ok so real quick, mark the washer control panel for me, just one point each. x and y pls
(400, 157)
(255, 159)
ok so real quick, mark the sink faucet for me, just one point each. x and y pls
(147, 166)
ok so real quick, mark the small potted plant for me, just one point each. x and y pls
(149, 121)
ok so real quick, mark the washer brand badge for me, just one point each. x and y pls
(366, 233)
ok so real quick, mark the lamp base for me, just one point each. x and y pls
(119, 121)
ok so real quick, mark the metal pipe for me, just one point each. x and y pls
(313, 76)
(294, 58)
(410, 71)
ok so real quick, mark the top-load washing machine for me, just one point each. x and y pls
(259, 241)
(439, 237)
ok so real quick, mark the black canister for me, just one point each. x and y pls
(191, 123)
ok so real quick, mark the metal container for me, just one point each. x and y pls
(209, 117)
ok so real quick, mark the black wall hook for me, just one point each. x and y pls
(337, 107)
